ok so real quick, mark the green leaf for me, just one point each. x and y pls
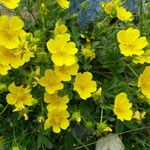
(43, 140)
(68, 142)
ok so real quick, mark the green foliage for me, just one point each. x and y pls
(111, 70)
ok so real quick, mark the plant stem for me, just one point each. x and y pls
(86, 145)
(141, 16)
(142, 128)
(83, 145)
(4, 109)
(101, 120)
(133, 71)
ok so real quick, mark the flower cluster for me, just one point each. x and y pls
(57, 113)
(87, 51)
(114, 7)
(57, 105)
(131, 44)
(14, 51)
(79, 67)
(65, 65)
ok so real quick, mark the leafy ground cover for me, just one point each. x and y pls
(73, 72)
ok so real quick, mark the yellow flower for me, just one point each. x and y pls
(15, 57)
(56, 102)
(144, 82)
(51, 82)
(65, 72)
(76, 116)
(130, 42)
(123, 14)
(58, 120)
(84, 85)
(110, 6)
(42, 6)
(40, 119)
(88, 53)
(97, 94)
(62, 50)
(139, 115)
(144, 58)
(10, 31)
(122, 107)
(12, 4)
(101, 127)
(24, 55)
(4, 69)
(63, 3)
(60, 28)
(108, 129)
(117, 2)
(19, 96)
(8, 57)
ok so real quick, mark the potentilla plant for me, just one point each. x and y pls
(72, 72)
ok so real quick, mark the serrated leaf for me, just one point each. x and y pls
(42, 140)
(68, 142)
(46, 142)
